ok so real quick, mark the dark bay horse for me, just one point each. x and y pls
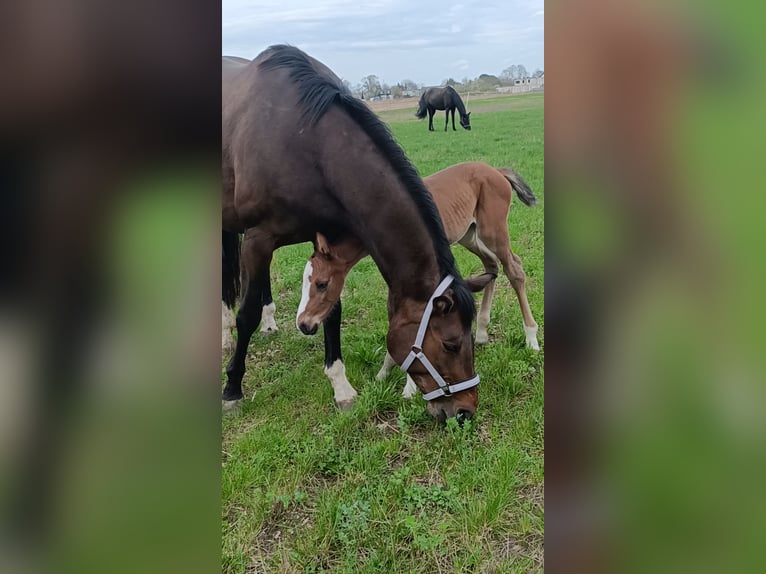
(297, 153)
(443, 99)
(474, 201)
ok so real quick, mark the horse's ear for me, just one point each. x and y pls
(468, 113)
(443, 304)
(323, 246)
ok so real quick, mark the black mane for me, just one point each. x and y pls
(317, 94)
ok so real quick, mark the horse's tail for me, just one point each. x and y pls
(422, 107)
(523, 192)
(230, 268)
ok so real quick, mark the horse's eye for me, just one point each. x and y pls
(321, 285)
(451, 346)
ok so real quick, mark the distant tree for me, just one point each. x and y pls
(514, 72)
(370, 86)
(450, 82)
(347, 85)
(385, 89)
(396, 91)
(509, 73)
(409, 85)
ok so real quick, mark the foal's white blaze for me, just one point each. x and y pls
(228, 322)
(268, 324)
(531, 333)
(409, 389)
(307, 271)
(388, 364)
(344, 392)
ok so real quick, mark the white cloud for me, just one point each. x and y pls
(394, 39)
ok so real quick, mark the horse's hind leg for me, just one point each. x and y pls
(333, 361)
(268, 324)
(431, 113)
(256, 259)
(472, 242)
(446, 118)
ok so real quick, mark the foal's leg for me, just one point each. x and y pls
(333, 361)
(388, 363)
(499, 244)
(256, 259)
(472, 242)
(268, 324)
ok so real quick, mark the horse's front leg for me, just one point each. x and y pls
(333, 361)
(453, 120)
(256, 260)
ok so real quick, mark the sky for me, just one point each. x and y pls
(422, 40)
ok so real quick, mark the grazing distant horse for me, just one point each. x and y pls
(443, 99)
(297, 153)
(474, 200)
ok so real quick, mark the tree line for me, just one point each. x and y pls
(372, 87)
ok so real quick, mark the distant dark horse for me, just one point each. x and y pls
(301, 155)
(443, 99)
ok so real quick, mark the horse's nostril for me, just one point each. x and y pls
(463, 415)
(306, 330)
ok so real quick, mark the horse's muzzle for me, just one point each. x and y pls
(306, 330)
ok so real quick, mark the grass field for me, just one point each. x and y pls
(383, 487)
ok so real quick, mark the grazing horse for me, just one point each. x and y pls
(474, 200)
(443, 99)
(297, 151)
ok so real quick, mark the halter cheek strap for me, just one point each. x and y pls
(444, 390)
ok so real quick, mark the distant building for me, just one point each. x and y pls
(524, 85)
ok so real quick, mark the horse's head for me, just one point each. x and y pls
(465, 120)
(323, 279)
(444, 350)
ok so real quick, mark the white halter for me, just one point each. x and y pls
(444, 389)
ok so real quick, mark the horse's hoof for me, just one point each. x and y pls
(232, 407)
(269, 330)
(482, 339)
(346, 405)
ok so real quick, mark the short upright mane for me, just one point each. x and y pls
(317, 93)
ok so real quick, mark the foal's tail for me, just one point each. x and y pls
(422, 107)
(523, 192)
(230, 268)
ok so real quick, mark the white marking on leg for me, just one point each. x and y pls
(307, 271)
(228, 322)
(531, 333)
(344, 392)
(268, 324)
(385, 370)
(410, 388)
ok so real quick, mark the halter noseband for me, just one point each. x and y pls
(444, 389)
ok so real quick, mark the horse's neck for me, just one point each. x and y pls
(387, 221)
(458, 103)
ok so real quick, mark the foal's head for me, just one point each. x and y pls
(323, 279)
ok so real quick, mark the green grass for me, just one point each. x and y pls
(384, 488)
